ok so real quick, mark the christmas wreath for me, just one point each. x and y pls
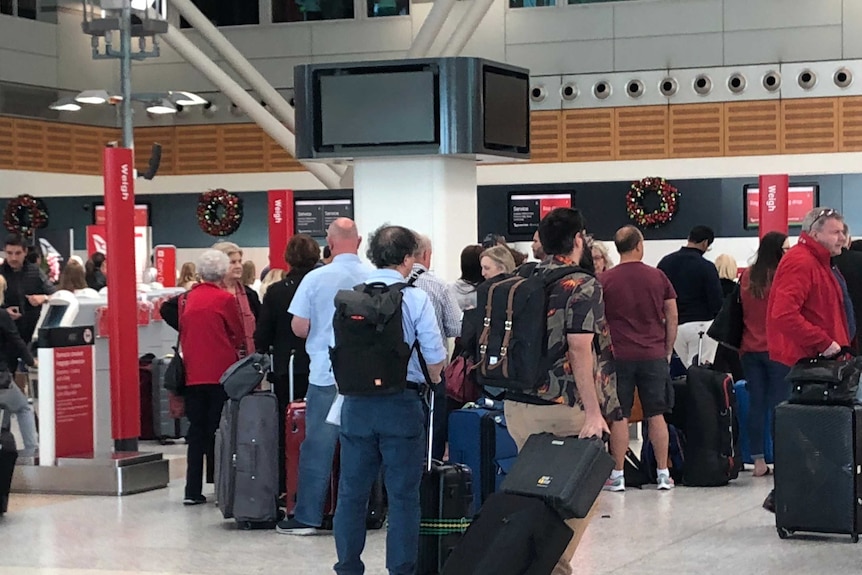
(668, 202)
(25, 214)
(219, 212)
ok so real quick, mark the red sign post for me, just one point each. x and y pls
(280, 226)
(773, 205)
(123, 343)
(165, 259)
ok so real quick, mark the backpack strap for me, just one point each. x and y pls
(486, 323)
(510, 312)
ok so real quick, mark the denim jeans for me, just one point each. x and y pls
(389, 431)
(316, 455)
(16, 402)
(766, 389)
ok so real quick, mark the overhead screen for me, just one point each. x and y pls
(507, 114)
(527, 210)
(801, 199)
(313, 217)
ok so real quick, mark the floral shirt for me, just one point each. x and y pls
(576, 305)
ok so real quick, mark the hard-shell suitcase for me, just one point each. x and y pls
(247, 459)
(446, 500)
(818, 480)
(163, 407)
(511, 535)
(8, 457)
(742, 406)
(567, 473)
(479, 439)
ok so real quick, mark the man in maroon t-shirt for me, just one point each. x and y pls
(640, 306)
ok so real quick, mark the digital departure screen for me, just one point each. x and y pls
(313, 217)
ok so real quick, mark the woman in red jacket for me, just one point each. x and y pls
(211, 335)
(766, 385)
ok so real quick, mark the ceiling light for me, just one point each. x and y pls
(66, 104)
(186, 99)
(93, 97)
(163, 106)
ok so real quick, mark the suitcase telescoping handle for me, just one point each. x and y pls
(700, 335)
(430, 400)
(290, 377)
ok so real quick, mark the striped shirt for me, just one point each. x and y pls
(445, 305)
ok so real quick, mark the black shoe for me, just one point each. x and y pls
(195, 500)
(769, 502)
(293, 527)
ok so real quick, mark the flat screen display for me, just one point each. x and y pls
(527, 210)
(801, 199)
(313, 217)
(374, 109)
(506, 110)
(54, 316)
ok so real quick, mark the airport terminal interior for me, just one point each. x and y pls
(255, 121)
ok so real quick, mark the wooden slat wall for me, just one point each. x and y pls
(546, 141)
(752, 128)
(89, 143)
(244, 146)
(850, 112)
(7, 144)
(641, 132)
(588, 135)
(696, 130)
(199, 150)
(278, 160)
(29, 150)
(810, 125)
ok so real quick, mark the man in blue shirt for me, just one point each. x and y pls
(388, 430)
(313, 308)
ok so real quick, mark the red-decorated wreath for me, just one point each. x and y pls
(25, 214)
(219, 212)
(668, 198)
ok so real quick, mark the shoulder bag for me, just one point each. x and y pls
(175, 373)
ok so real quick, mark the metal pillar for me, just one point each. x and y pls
(126, 77)
(467, 27)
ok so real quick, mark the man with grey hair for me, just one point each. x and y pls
(448, 321)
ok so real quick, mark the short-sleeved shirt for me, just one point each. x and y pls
(419, 322)
(634, 305)
(576, 306)
(315, 301)
(445, 305)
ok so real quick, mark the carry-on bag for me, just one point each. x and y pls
(712, 429)
(826, 381)
(247, 460)
(8, 457)
(479, 439)
(568, 473)
(511, 535)
(165, 406)
(818, 482)
(446, 496)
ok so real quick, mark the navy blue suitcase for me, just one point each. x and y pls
(479, 439)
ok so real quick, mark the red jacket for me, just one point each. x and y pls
(806, 305)
(211, 332)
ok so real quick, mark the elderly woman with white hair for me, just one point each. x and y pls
(211, 337)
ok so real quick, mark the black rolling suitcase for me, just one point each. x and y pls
(8, 456)
(818, 481)
(446, 495)
(511, 535)
(711, 428)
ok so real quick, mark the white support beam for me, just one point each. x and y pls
(431, 28)
(466, 27)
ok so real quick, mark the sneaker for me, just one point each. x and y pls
(665, 481)
(615, 484)
(293, 527)
(195, 500)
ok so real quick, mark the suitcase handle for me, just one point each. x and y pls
(430, 427)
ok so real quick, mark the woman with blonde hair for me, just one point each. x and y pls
(727, 273)
(601, 257)
(495, 261)
(188, 276)
(272, 276)
(246, 298)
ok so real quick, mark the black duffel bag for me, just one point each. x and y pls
(826, 381)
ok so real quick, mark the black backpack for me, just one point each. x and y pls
(512, 342)
(370, 356)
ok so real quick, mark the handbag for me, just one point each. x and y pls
(826, 381)
(461, 380)
(175, 372)
(727, 326)
(244, 375)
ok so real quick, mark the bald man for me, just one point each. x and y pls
(313, 308)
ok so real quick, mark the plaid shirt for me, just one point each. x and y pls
(445, 305)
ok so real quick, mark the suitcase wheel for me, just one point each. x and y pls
(244, 525)
(784, 533)
(854, 538)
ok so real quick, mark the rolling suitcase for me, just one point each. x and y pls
(711, 428)
(8, 457)
(567, 473)
(479, 439)
(511, 535)
(246, 461)
(742, 403)
(818, 481)
(446, 499)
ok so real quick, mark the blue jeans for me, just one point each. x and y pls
(13, 399)
(767, 388)
(316, 455)
(389, 431)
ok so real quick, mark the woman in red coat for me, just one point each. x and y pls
(211, 335)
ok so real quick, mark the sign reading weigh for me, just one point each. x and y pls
(800, 200)
(313, 217)
(526, 211)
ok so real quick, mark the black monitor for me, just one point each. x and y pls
(54, 316)
(526, 210)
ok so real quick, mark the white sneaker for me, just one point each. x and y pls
(665, 481)
(618, 484)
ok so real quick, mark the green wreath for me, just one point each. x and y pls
(25, 214)
(669, 202)
(219, 212)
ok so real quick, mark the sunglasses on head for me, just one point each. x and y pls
(827, 213)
